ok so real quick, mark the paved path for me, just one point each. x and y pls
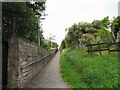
(50, 76)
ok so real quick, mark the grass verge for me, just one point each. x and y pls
(83, 70)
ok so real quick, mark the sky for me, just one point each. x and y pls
(64, 13)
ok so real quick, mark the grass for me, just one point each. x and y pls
(83, 70)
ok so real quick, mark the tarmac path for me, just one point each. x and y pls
(50, 77)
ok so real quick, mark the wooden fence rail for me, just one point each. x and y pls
(100, 49)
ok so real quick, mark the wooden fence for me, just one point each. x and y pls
(100, 49)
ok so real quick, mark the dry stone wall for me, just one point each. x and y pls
(25, 61)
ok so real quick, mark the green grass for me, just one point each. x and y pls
(83, 70)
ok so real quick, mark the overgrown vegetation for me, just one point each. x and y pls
(83, 70)
(103, 31)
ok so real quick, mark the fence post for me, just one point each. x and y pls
(118, 45)
(90, 48)
(99, 48)
(108, 47)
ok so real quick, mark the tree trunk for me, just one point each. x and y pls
(113, 37)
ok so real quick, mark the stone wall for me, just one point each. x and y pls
(25, 61)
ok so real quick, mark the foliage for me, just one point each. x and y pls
(63, 46)
(83, 70)
(97, 24)
(20, 18)
(105, 22)
(87, 38)
(54, 45)
(105, 36)
(115, 26)
(106, 29)
(48, 44)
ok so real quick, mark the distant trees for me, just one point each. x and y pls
(54, 45)
(48, 46)
(63, 46)
(50, 42)
(104, 30)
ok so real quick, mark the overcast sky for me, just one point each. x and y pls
(64, 13)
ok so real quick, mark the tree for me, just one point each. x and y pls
(105, 22)
(63, 46)
(38, 8)
(54, 45)
(84, 32)
(115, 27)
(105, 36)
(20, 18)
(97, 24)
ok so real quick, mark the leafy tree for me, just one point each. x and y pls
(48, 45)
(63, 46)
(97, 24)
(38, 8)
(105, 22)
(54, 45)
(76, 31)
(20, 18)
(115, 27)
(84, 32)
(105, 36)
